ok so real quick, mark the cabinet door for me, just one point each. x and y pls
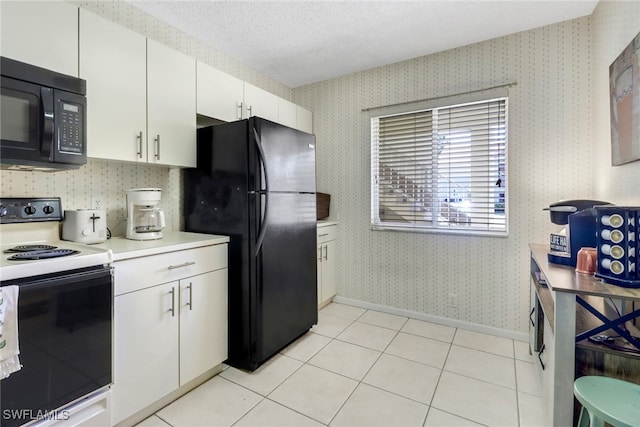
(113, 62)
(145, 348)
(171, 105)
(287, 113)
(42, 33)
(319, 275)
(304, 119)
(203, 323)
(328, 270)
(260, 103)
(219, 95)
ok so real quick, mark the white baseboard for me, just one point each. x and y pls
(446, 321)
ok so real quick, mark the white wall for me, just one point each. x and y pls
(549, 152)
(615, 24)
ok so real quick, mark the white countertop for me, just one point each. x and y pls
(325, 223)
(124, 248)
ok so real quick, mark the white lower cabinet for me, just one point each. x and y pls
(203, 327)
(167, 334)
(326, 240)
(146, 352)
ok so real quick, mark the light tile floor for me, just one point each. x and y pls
(361, 367)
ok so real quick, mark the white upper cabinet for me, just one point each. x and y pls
(219, 94)
(41, 33)
(224, 97)
(113, 62)
(141, 96)
(304, 119)
(260, 103)
(287, 113)
(171, 106)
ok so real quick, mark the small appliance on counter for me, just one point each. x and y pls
(145, 220)
(618, 245)
(85, 226)
(579, 219)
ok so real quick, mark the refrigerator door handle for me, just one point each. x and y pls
(263, 165)
(265, 192)
(263, 225)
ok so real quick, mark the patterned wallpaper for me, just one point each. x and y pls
(549, 146)
(108, 180)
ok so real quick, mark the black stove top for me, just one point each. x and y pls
(30, 248)
(35, 252)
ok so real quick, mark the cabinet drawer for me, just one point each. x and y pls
(140, 273)
(326, 233)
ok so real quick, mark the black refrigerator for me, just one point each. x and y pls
(255, 181)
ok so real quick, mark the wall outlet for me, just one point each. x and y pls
(97, 202)
(453, 300)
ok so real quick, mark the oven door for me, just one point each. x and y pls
(65, 337)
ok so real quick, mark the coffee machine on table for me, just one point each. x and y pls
(145, 219)
(579, 220)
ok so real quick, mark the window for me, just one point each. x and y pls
(441, 169)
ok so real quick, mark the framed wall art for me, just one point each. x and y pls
(624, 93)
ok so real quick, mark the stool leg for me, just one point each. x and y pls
(584, 419)
(595, 421)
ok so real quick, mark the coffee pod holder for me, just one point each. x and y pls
(618, 245)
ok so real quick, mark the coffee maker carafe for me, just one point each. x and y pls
(145, 220)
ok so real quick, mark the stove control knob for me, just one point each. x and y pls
(29, 210)
(48, 209)
(3, 210)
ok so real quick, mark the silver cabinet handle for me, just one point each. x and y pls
(157, 141)
(239, 106)
(250, 109)
(326, 251)
(173, 301)
(139, 138)
(190, 303)
(186, 264)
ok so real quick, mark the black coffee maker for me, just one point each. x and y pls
(579, 220)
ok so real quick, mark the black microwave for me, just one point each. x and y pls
(43, 118)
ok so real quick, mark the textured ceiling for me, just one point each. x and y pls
(302, 42)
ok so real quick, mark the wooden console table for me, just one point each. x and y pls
(566, 305)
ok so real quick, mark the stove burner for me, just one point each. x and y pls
(42, 254)
(30, 248)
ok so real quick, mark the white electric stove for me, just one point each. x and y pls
(30, 240)
(65, 322)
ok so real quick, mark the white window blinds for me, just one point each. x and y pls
(441, 169)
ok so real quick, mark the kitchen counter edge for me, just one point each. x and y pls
(124, 248)
(325, 223)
